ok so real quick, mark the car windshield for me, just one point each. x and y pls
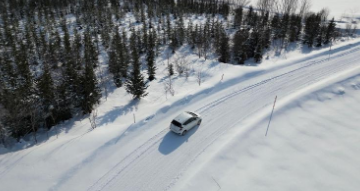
(176, 123)
(191, 113)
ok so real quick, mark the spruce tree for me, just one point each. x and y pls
(66, 39)
(135, 83)
(115, 59)
(295, 28)
(310, 30)
(124, 55)
(90, 90)
(238, 17)
(150, 57)
(265, 31)
(249, 17)
(284, 26)
(239, 48)
(224, 47)
(330, 32)
(171, 69)
(258, 53)
(46, 89)
(253, 42)
(276, 27)
(180, 28)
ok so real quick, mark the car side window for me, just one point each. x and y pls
(188, 121)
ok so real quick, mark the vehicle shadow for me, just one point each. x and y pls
(172, 141)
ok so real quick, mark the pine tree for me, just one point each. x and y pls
(276, 27)
(189, 34)
(239, 48)
(258, 53)
(250, 17)
(168, 32)
(46, 89)
(115, 59)
(330, 32)
(69, 91)
(174, 43)
(66, 39)
(312, 28)
(145, 37)
(265, 31)
(180, 28)
(206, 46)
(124, 55)
(321, 32)
(224, 47)
(238, 17)
(135, 84)
(150, 57)
(90, 90)
(171, 69)
(90, 52)
(284, 26)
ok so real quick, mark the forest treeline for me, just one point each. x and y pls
(49, 49)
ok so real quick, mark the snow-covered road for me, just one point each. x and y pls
(158, 163)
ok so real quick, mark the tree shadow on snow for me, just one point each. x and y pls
(112, 115)
(172, 141)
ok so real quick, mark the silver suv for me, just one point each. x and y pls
(184, 122)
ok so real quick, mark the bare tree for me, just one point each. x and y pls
(353, 22)
(4, 133)
(168, 87)
(93, 118)
(103, 81)
(34, 110)
(199, 76)
(266, 6)
(324, 14)
(182, 66)
(305, 6)
(288, 6)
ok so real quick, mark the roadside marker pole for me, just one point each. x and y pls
(271, 117)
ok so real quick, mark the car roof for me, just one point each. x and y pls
(181, 118)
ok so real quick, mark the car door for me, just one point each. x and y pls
(187, 123)
(192, 122)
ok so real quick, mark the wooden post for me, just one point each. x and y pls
(134, 117)
(271, 117)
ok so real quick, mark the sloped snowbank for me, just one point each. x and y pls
(313, 144)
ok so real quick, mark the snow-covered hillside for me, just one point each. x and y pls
(119, 155)
(313, 144)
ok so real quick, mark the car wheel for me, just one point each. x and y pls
(184, 133)
(199, 122)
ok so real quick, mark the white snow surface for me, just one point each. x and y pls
(312, 142)
(338, 9)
